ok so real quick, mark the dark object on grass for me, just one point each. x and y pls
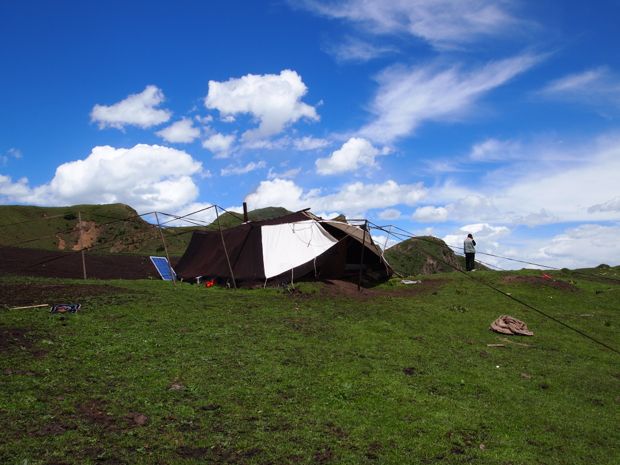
(65, 308)
(506, 324)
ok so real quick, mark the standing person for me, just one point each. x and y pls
(469, 247)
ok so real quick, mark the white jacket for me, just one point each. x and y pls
(469, 245)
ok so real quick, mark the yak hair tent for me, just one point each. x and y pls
(292, 247)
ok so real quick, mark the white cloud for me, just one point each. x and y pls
(195, 213)
(357, 50)
(597, 86)
(273, 99)
(353, 154)
(493, 149)
(441, 23)
(11, 153)
(136, 110)
(14, 192)
(567, 190)
(384, 241)
(612, 205)
(584, 246)
(219, 144)
(252, 166)
(287, 174)
(204, 120)
(464, 207)
(182, 131)
(390, 214)
(569, 181)
(430, 214)
(353, 199)
(309, 143)
(147, 177)
(409, 96)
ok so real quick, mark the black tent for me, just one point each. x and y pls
(291, 247)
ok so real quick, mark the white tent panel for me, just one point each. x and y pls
(286, 246)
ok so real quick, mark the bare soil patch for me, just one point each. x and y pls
(14, 295)
(540, 281)
(350, 289)
(58, 264)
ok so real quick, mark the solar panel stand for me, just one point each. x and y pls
(163, 240)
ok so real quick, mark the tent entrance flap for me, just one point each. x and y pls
(289, 245)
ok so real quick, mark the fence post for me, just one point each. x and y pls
(217, 216)
(163, 240)
(81, 243)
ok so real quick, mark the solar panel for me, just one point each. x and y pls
(163, 268)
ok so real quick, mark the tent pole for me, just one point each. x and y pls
(81, 243)
(225, 251)
(163, 240)
(359, 282)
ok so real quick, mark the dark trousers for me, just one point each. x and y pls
(469, 261)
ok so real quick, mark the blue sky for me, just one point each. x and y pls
(500, 118)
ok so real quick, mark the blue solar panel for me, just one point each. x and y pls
(163, 268)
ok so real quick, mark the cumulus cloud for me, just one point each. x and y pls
(136, 110)
(487, 236)
(407, 97)
(430, 214)
(354, 153)
(441, 23)
(182, 131)
(147, 177)
(352, 199)
(273, 99)
(463, 208)
(14, 191)
(219, 144)
(252, 166)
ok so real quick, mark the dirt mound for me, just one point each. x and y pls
(349, 289)
(544, 280)
(57, 264)
(14, 295)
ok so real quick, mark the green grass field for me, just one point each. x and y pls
(157, 374)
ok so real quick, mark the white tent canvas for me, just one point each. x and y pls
(288, 245)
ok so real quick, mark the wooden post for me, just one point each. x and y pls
(359, 282)
(245, 212)
(81, 244)
(217, 216)
(163, 240)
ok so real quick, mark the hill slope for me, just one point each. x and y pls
(112, 228)
(424, 255)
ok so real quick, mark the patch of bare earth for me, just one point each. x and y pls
(14, 295)
(349, 289)
(540, 281)
(56, 264)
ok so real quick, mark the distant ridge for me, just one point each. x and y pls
(424, 255)
(110, 228)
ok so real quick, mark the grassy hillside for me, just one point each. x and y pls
(113, 228)
(148, 372)
(231, 219)
(424, 255)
